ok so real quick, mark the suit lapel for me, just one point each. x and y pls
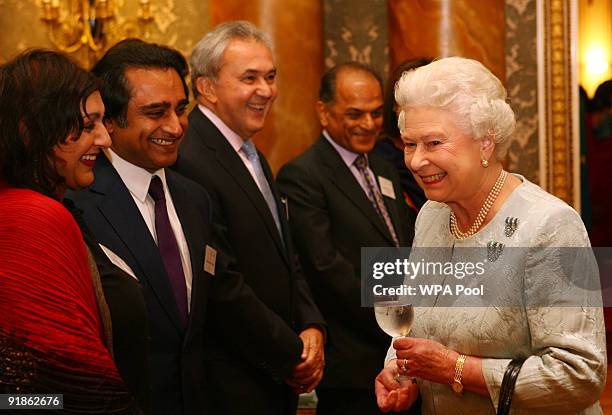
(231, 162)
(342, 177)
(120, 211)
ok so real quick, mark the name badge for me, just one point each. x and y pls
(210, 259)
(386, 187)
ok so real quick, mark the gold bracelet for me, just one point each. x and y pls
(457, 386)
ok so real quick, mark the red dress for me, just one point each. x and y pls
(49, 321)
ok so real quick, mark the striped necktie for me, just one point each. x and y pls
(375, 196)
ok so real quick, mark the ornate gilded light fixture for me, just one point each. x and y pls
(88, 27)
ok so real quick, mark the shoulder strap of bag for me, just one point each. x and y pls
(507, 387)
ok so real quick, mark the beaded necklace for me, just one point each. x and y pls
(482, 214)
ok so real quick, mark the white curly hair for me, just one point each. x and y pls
(466, 88)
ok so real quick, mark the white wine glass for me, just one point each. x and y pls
(394, 315)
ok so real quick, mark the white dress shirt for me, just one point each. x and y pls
(233, 139)
(137, 180)
(349, 158)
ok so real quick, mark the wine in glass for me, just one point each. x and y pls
(394, 315)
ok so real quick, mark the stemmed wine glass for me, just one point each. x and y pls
(394, 315)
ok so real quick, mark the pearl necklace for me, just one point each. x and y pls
(482, 214)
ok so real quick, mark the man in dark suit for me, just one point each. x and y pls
(160, 227)
(341, 199)
(234, 81)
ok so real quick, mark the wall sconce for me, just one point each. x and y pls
(89, 25)
(595, 43)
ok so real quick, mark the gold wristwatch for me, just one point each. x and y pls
(457, 386)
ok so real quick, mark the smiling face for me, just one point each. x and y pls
(354, 118)
(443, 158)
(245, 88)
(156, 119)
(74, 159)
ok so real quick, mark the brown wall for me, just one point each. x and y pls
(440, 28)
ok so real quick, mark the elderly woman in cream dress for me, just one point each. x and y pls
(456, 127)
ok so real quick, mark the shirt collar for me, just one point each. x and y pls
(347, 156)
(135, 178)
(234, 139)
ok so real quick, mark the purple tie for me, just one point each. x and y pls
(168, 248)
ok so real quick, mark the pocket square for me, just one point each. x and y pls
(116, 259)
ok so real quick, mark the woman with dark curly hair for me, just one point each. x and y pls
(56, 334)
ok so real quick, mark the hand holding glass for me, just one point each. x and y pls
(394, 315)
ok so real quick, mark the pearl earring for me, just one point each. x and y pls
(484, 162)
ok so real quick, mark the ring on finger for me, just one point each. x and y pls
(403, 365)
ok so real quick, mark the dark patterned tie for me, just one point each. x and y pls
(375, 196)
(168, 248)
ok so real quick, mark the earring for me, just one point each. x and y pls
(484, 162)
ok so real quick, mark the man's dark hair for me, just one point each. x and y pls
(133, 53)
(327, 89)
(42, 95)
(389, 127)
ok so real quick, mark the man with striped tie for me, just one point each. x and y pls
(341, 199)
